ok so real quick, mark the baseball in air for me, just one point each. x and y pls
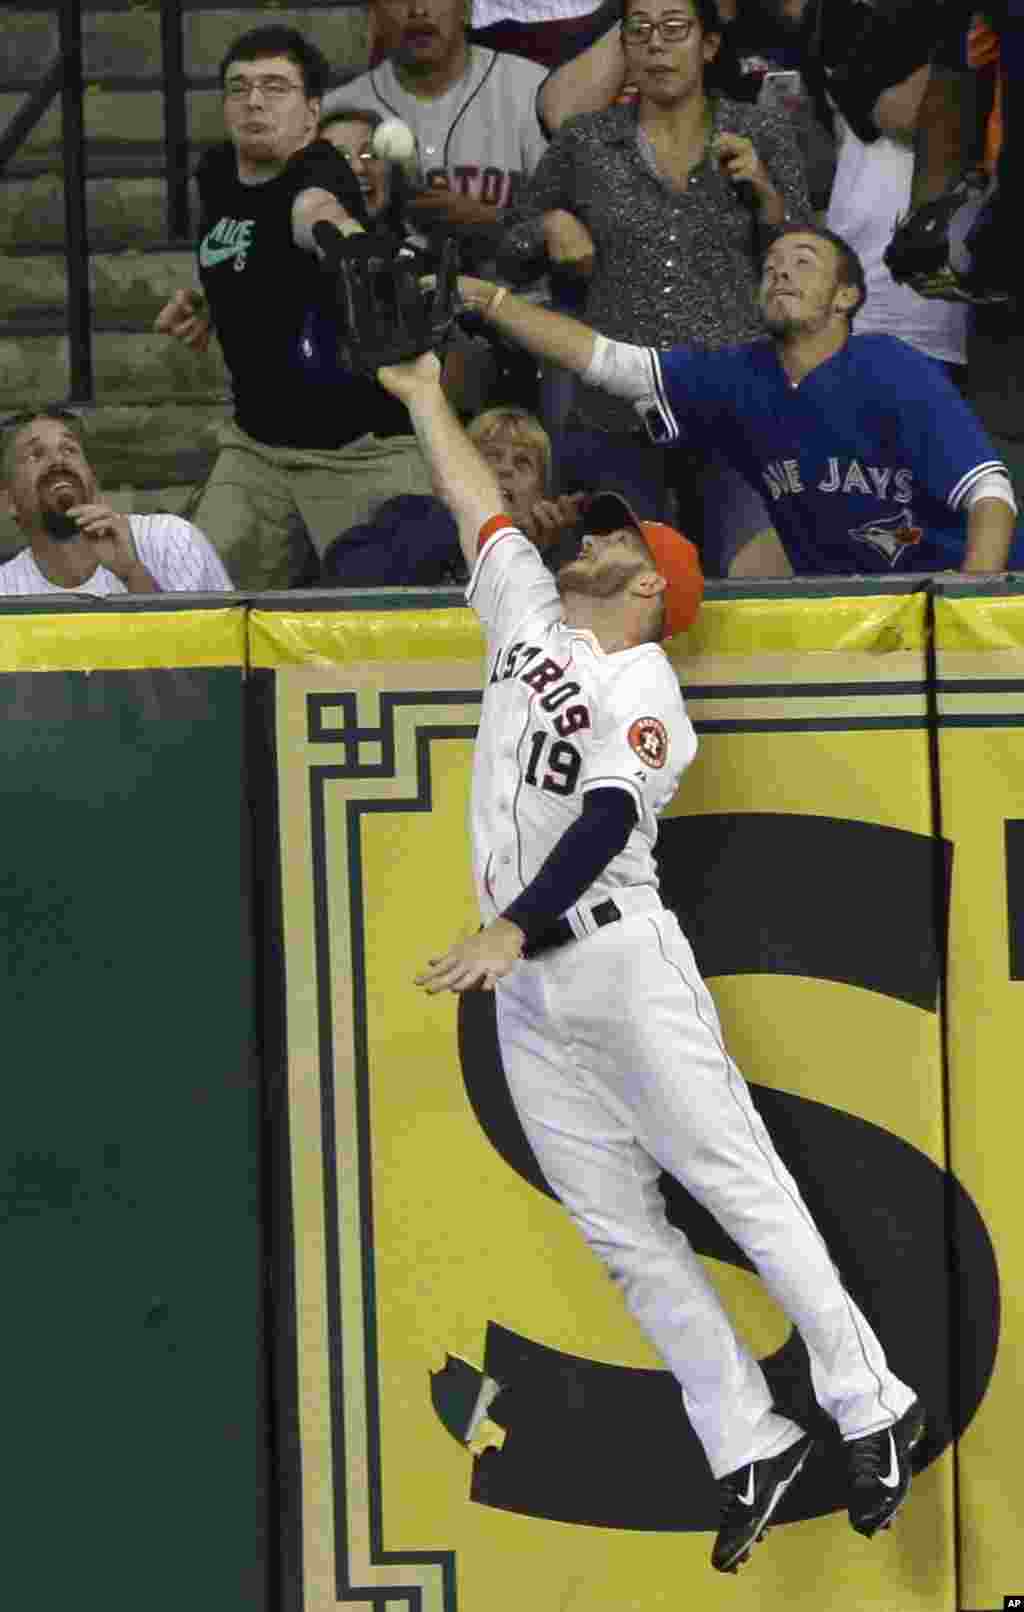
(393, 140)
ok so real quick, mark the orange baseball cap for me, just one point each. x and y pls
(675, 557)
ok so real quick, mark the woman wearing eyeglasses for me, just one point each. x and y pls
(661, 205)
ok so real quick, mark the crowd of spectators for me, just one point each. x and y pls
(640, 184)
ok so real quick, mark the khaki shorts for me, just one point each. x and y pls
(272, 512)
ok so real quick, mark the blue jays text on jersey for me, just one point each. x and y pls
(842, 475)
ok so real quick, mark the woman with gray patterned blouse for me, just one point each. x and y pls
(663, 207)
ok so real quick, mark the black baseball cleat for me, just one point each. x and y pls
(880, 1471)
(749, 1498)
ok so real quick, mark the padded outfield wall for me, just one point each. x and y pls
(135, 1427)
(294, 772)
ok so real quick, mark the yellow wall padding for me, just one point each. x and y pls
(814, 727)
(112, 640)
(980, 663)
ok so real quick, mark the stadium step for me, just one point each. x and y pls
(123, 210)
(124, 42)
(127, 364)
(127, 288)
(116, 117)
(152, 433)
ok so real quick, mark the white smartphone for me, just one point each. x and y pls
(781, 91)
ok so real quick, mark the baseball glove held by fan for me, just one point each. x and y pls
(386, 314)
(919, 254)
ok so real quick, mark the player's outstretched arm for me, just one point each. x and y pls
(462, 477)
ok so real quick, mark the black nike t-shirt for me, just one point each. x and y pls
(271, 306)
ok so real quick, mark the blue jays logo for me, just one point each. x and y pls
(889, 535)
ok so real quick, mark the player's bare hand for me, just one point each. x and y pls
(413, 378)
(187, 318)
(738, 159)
(551, 518)
(569, 243)
(476, 963)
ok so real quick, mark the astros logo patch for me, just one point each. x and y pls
(648, 738)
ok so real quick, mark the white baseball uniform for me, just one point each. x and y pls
(175, 553)
(611, 1042)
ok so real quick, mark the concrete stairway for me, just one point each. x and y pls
(152, 426)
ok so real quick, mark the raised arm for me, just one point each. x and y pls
(592, 78)
(548, 335)
(315, 206)
(619, 367)
(462, 477)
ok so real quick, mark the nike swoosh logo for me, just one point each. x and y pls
(748, 1498)
(892, 1477)
(210, 256)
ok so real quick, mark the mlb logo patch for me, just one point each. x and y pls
(889, 535)
(648, 738)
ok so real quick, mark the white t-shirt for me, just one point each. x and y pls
(870, 192)
(175, 553)
(483, 134)
(486, 12)
(561, 717)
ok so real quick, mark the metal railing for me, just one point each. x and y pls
(172, 45)
(65, 77)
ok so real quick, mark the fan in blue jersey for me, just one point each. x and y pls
(870, 459)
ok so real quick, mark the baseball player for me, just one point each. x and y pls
(609, 1038)
(871, 460)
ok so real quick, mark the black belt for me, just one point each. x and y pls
(560, 933)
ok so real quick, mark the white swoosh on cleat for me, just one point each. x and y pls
(748, 1498)
(892, 1477)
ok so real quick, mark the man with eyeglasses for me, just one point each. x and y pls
(77, 542)
(312, 449)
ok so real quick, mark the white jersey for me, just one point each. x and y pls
(610, 1041)
(870, 192)
(561, 717)
(175, 553)
(483, 135)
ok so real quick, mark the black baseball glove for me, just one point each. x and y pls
(919, 253)
(385, 313)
